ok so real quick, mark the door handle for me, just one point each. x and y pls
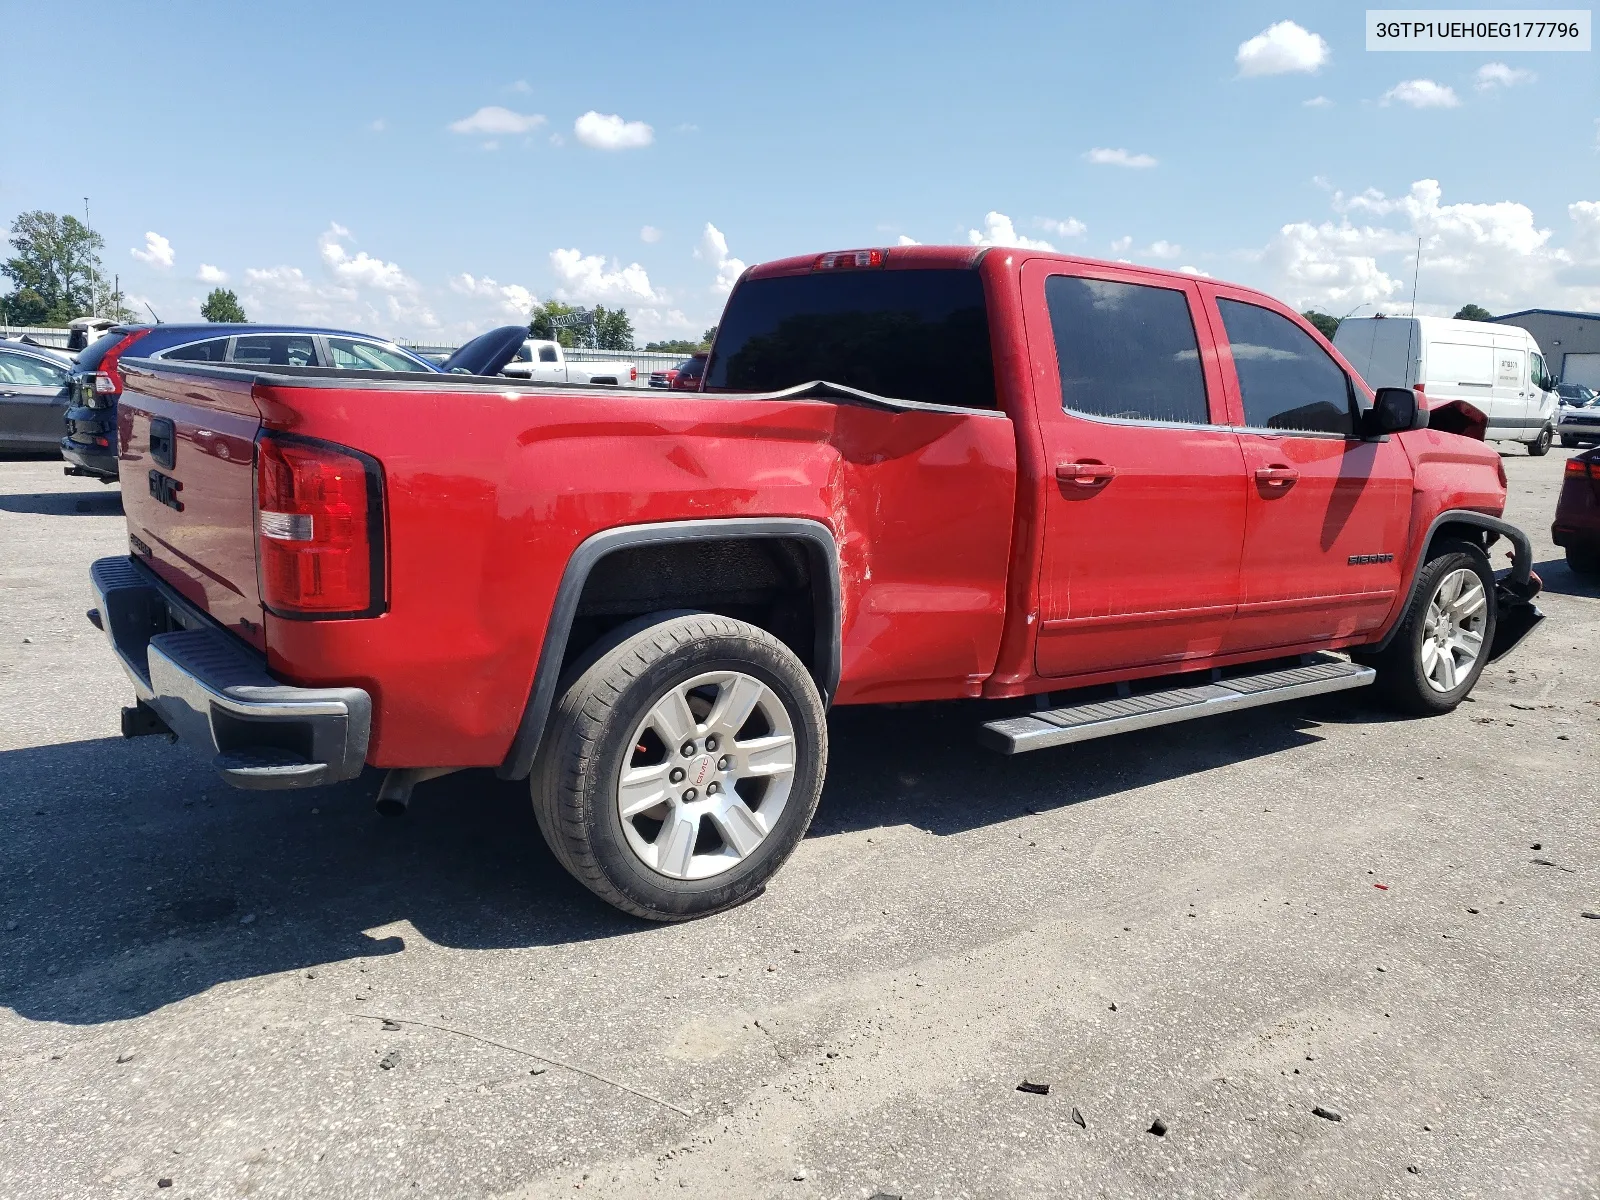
(1277, 477)
(1085, 474)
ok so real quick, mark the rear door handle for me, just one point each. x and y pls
(1277, 477)
(1085, 474)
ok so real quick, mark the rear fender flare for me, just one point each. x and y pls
(824, 554)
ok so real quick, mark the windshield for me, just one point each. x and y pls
(918, 335)
(1576, 394)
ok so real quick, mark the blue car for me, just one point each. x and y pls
(90, 446)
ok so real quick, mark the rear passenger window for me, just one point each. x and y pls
(275, 350)
(547, 354)
(215, 350)
(1126, 350)
(1286, 380)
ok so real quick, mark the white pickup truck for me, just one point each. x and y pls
(546, 362)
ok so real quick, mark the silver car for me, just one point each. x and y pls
(1578, 415)
(33, 396)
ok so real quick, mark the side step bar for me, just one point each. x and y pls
(1080, 723)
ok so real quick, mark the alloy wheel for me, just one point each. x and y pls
(708, 775)
(1452, 631)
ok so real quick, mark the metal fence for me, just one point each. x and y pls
(42, 334)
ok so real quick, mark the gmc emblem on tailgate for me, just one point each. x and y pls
(165, 489)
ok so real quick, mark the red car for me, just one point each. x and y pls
(685, 377)
(1577, 523)
(1098, 497)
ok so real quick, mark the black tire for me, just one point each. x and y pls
(590, 740)
(1584, 560)
(1568, 442)
(1401, 681)
(1540, 446)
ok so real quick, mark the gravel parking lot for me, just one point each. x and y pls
(1218, 926)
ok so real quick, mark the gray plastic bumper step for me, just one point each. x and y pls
(1082, 722)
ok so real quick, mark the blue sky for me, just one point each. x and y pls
(306, 154)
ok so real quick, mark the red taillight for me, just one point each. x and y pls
(319, 528)
(633, 374)
(1576, 466)
(848, 259)
(108, 380)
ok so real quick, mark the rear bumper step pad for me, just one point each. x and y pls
(1083, 722)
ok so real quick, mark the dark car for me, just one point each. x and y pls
(1578, 414)
(33, 395)
(689, 373)
(1577, 524)
(90, 445)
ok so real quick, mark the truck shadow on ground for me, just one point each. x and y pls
(131, 878)
(64, 504)
(1562, 580)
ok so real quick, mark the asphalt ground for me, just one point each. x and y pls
(1220, 926)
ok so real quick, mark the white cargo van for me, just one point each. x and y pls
(1498, 369)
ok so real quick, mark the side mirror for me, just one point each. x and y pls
(1394, 410)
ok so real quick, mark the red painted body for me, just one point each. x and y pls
(968, 567)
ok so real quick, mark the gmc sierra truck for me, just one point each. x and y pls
(1095, 496)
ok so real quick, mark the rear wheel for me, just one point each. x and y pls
(1584, 560)
(1443, 641)
(682, 767)
(1540, 446)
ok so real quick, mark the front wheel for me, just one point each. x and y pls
(1540, 446)
(1568, 442)
(682, 768)
(1443, 641)
(1584, 560)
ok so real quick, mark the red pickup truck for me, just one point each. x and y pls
(1097, 496)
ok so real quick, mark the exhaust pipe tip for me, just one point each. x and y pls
(394, 797)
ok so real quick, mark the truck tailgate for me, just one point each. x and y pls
(187, 455)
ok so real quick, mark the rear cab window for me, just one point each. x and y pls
(909, 334)
(1126, 350)
(275, 350)
(351, 354)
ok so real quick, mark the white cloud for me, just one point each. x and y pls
(1121, 245)
(557, 140)
(908, 241)
(492, 120)
(1317, 102)
(1421, 93)
(1497, 74)
(209, 274)
(1494, 254)
(1071, 227)
(649, 234)
(520, 86)
(1279, 49)
(610, 132)
(379, 125)
(157, 251)
(713, 248)
(505, 299)
(1162, 249)
(1188, 270)
(1104, 157)
(585, 278)
(999, 231)
(360, 269)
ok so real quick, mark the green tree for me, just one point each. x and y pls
(1471, 312)
(676, 346)
(222, 305)
(56, 268)
(1327, 326)
(540, 326)
(708, 337)
(612, 329)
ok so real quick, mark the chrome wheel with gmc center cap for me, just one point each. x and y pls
(708, 775)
